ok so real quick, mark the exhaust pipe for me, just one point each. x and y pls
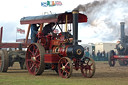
(76, 50)
(122, 26)
(75, 27)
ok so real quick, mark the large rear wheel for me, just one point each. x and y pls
(4, 60)
(35, 59)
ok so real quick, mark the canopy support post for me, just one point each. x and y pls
(28, 33)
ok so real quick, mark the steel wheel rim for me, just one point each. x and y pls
(65, 67)
(111, 59)
(1, 60)
(35, 59)
(88, 67)
(4, 61)
(112, 62)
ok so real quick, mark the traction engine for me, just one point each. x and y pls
(122, 49)
(60, 51)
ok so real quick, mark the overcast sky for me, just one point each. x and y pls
(13, 10)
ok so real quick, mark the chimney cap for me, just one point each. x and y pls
(75, 10)
(122, 22)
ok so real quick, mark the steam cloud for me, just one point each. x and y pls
(104, 17)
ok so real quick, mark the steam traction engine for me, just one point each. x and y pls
(59, 51)
(122, 50)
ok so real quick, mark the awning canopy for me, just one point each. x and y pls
(59, 18)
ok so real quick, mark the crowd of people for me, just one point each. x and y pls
(99, 56)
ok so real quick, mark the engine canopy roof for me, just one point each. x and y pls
(57, 18)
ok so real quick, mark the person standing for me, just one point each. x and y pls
(48, 28)
(98, 55)
(34, 31)
(87, 53)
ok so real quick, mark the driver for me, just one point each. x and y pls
(48, 28)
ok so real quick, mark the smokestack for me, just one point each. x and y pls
(75, 27)
(122, 26)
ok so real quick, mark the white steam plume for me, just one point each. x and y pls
(104, 17)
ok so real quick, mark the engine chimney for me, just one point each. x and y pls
(75, 27)
(122, 26)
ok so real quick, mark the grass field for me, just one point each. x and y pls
(104, 75)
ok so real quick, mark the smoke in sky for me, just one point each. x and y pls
(104, 17)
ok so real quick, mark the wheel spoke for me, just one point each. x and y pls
(30, 51)
(85, 66)
(66, 64)
(37, 50)
(85, 72)
(67, 71)
(32, 66)
(64, 60)
(29, 60)
(34, 48)
(37, 56)
(87, 61)
(61, 68)
(61, 64)
(37, 65)
(68, 67)
(66, 74)
(91, 64)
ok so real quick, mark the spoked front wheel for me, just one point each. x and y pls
(35, 59)
(65, 67)
(88, 67)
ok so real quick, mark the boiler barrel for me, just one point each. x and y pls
(75, 51)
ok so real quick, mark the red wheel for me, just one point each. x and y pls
(4, 61)
(88, 67)
(111, 59)
(65, 67)
(35, 59)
